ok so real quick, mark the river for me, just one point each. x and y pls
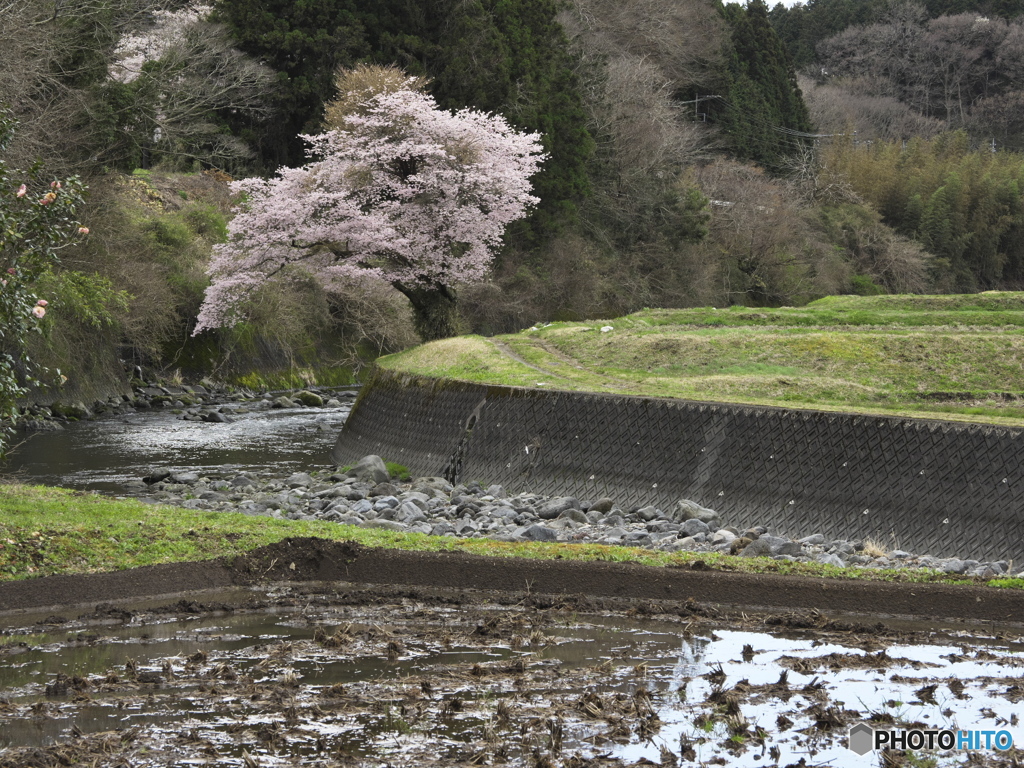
(105, 453)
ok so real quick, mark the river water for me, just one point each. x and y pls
(103, 454)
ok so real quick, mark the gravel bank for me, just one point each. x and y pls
(367, 496)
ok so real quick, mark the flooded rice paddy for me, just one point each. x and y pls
(338, 674)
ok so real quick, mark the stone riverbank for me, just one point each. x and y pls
(367, 496)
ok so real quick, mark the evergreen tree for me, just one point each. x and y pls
(305, 42)
(763, 103)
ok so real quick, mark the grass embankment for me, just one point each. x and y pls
(957, 357)
(45, 531)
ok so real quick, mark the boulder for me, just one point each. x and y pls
(311, 399)
(538, 533)
(552, 508)
(692, 527)
(691, 510)
(646, 514)
(370, 469)
(575, 515)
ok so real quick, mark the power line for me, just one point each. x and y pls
(772, 126)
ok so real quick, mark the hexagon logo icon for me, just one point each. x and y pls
(861, 738)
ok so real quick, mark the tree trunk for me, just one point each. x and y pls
(435, 310)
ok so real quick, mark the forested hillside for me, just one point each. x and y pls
(696, 153)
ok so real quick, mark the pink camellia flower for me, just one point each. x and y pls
(22, 190)
(38, 311)
(42, 303)
(10, 270)
(3, 282)
(54, 185)
(83, 230)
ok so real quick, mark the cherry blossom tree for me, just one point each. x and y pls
(402, 191)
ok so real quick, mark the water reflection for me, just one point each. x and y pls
(104, 454)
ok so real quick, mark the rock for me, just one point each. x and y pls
(282, 402)
(299, 480)
(685, 544)
(830, 559)
(307, 398)
(760, 547)
(603, 505)
(538, 533)
(388, 525)
(552, 508)
(496, 491)
(156, 476)
(721, 536)
(425, 484)
(42, 425)
(370, 469)
(361, 507)
(789, 548)
(386, 502)
(815, 539)
(691, 510)
(383, 489)
(410, 514)
(843, 548)
(216, 417)
(71, 410)
(575, 515)
(646, 514)
(184, 478)
(693, 526)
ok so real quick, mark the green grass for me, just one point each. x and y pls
(46, 531)
(955, 357)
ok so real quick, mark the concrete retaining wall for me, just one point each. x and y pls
(939, 488)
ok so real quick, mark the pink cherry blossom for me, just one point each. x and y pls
(407, 193)
(38, 311)
(22, 190)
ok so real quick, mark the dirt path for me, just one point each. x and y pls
(309, 559)
(506, 350)
(619, 384)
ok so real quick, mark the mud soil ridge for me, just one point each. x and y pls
(312, 559)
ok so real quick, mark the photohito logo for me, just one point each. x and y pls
(863, 739)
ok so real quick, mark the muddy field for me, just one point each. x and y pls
(342, 674)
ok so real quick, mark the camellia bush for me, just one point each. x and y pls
(37, 220)
(401, 191)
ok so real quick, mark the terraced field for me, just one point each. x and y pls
(948, 357)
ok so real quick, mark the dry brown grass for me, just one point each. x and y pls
(873, 548)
